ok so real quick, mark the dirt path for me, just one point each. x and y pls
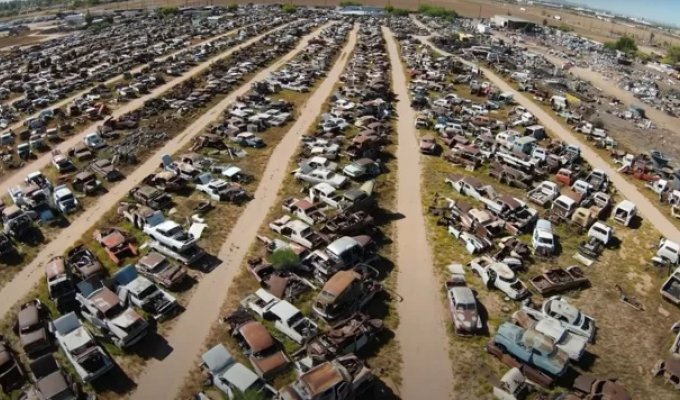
(645, 207)
(188, 335)
(16, 177)
(111, 80)
(30, 275)
(422, 335)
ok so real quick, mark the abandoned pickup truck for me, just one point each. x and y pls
(342, 253)
(559, 280)
(82, 263)
(297, 231)
(87, 358)
(500, 276)
(60, 287)
(531, 348)
(349, 335)
(670, 289)
(160, 270)
(135, 290)
(287, 318)
(151, 197)
(346, 292)
(220, 189)
(544, 193)
(344, 378)
(103, 309)
(263, 351)
(572, 344)
(32, 328)
(569, 316)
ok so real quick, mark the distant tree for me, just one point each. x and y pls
(88, 18)
(349, 3)
(545, 22)
(651, 37)
(232, 7)
(625, 44)
(167, 12)
(673, 55)
(289, 8)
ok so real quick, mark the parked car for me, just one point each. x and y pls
(572, 344)
(104, 310)
(64, 199)
(159, 269)
(263, 351)
(220, 189)
(11, 374)
(322, 175)
(287, 318)
(135, 290)
(51, 382)
(32, 326)
(60, 287)
(87, 358)
(571, 317)
(105, 169)
(498, 275)
(463, 306)
(84, 264)
(232, 377)
(248, 139)
(363, 168)
(151, 197)
(428, 145)
(543, 240)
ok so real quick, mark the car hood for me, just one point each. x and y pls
(268, 366)
(172, 274)
(126, 319)
(33, 339)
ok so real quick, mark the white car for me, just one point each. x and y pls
(220, 189)
(322, 175)
(64, 199)
(287, 318)
(574, 320)
(171, 234)
(87, 358)
(499, 275)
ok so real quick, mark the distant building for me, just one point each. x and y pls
(510, 22)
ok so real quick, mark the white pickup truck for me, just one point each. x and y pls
(544, 193)
(287, 318)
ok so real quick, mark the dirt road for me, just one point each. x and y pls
(30, 275)
(610, 88)
(17, 176)
(114, 79)
(645, 207)
(188, 335)
(421, 334)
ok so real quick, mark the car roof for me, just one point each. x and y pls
(321, 378)
(284, 310)
(217, 358)
(463, 294)
(240, 377)
(339, 282)
(256, 336)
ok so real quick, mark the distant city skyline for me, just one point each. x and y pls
(664, 11)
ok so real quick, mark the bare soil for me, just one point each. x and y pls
(421, 333)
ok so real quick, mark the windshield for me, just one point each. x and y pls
(61, 288)
(114, 311)
(465, 306)
(147, 292)
(67, 197)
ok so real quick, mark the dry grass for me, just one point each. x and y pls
(616, 352)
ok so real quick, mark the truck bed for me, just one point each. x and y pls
(559, 280)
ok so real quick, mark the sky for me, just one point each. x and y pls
(666, 11)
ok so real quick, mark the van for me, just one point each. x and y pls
(624, 212)
(543, 241)
(524, 144)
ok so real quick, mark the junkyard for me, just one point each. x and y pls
(309, 202)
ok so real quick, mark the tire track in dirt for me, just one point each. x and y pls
(193, 326)
(427, 371)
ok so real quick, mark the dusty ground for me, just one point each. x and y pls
(421, 309)
(193, 326)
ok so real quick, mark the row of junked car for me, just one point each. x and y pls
(78, 285)
(100, 157)
(541, 342)
(51, 125)
(220, 77)
(332, 234)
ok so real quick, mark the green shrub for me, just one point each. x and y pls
(284, 259)
(289, 8)
(435, 11)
